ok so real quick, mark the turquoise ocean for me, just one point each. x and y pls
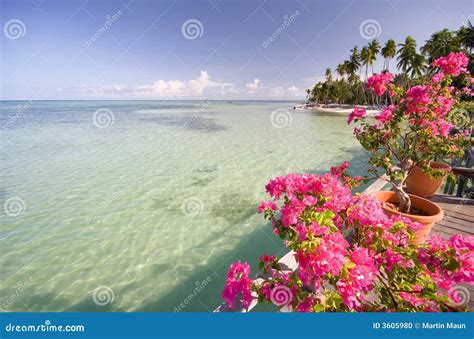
(143, 205)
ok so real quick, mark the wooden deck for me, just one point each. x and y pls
(458, 219)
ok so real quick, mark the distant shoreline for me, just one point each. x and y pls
(336, 109)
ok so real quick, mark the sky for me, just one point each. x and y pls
(197, 49)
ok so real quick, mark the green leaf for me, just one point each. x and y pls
(319, 308)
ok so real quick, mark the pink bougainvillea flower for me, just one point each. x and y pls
(453, 63)
(267, 205)
(417, 98)
(339, 170)
(357, 113)
(438, 77)
(238, 283)
(379, 82)
(386, 114)
(306, 305)
(267, 261)
(348, 250)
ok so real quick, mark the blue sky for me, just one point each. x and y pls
(70, 50)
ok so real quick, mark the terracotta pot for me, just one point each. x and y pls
(421, 184)
(433, 211)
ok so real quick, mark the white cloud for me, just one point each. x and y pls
(178, 88)
(201, 87)
(97, 90)
(253, 86)
(293, 90)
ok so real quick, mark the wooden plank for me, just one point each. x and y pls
(378, 185)
(458, 219)
(458, 216)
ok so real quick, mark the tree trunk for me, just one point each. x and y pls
(403, 198)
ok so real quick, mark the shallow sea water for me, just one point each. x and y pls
(146, 213)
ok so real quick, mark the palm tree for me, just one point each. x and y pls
(388, 52)
(417, 66)
(328, 75)
(355, 60)
(374, 50)
(353, 64)
(365, 59)
(340, 69)
(440, 44)
(466, 37)
(406, 53)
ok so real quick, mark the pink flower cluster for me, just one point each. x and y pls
(386, 114)
(379, 83)
(348, 246)
(434, 257)
(453, 63)
(361, 278)
(328, 258)
(267, 261)
(417, 99)
(267, 205)
(357, 113)
(238, 283)
(367, 211)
